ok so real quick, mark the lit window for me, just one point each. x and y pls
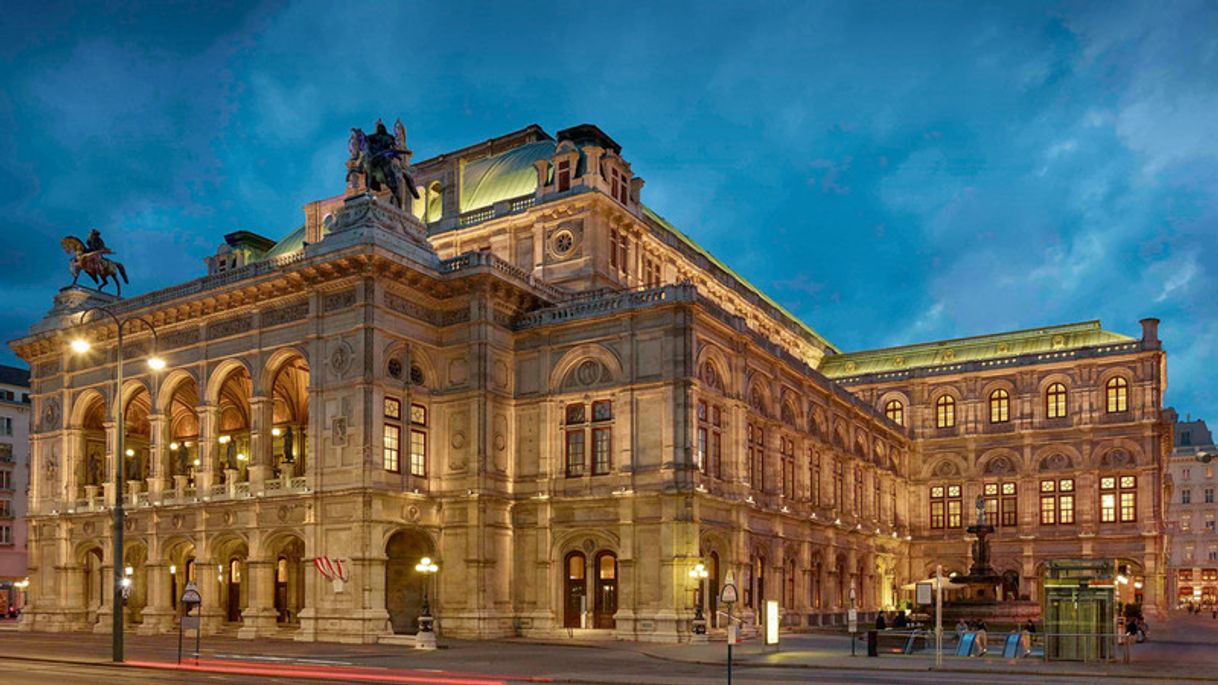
(1118, 499)
(1118, 394)
(1055, 401)
(945, 412)
(418, 453)
(895, 411)
(602, 451)
(582, 434)
(1001, 504)
(1057, 501)
(392, 447)
(946, 506)
(1000, 406)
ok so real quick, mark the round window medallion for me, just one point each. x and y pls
(563, 242)
(395, 368)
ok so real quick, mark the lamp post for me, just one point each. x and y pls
(699, 574)
(122, 581)
(426, 639)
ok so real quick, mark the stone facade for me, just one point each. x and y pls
(1062, 433)
(1192, 509)
(14, 479)
(526, 375)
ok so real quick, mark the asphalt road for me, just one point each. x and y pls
(20, 672)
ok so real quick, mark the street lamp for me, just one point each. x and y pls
(426, 639)
(79, 345)
(699, 574)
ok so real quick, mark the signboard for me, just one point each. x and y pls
(729, 595)
(771, 621)
(191, 594)
(852, 616)
(923, 593)
(731, 634)
(190, 623)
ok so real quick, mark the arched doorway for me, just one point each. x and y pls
(181, 560)
(229, 558)
(575, 584)
(605, 604)
(714, 589)
(289, 581)
(94, 583)
(134, 567)
(290, 417)
(403, 585)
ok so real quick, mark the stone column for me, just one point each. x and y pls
(208, 471)
(258, 618)
(73, 465)
(111, 462)
(157, 453)
(104, 623)
(262, 458)
(214, 594)
(158, 609)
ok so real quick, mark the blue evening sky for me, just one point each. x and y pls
(892, 172)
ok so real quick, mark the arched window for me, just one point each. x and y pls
(1000, 406)
(605, 601)
(895, 411)
(945, 412)
(1118, 394)
(574, 590)
(1055, 401)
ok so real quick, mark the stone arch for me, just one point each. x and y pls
(137, 441)
(173, 380)
(1000, 462)
(404, 546)
(287, 385)
(817, 423)
(714, 365)
(84, 405)
(898, 396)
(841, 435)
(286, 551)
(789, 409)
(579, 539)
(944, 466)
(421, 364)
(758, 396)
(861, 449)
(589, 365)
(275, 363)
(1120, 453)
(220, 374)
(1057, 458)
(941, 390)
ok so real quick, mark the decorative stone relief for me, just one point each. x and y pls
(946, 468)
(1115, 459)
(589, 546)
(336, 301)
(500, 373)
(1055, 462)
(47, 368)
(458, 372)
(458, 458)
(458, 440)
(282, 315)
(410, 512)
(179, 338)
(338, 431)
(50, 414)
(999, 466)
(227, 327)
(340, 358)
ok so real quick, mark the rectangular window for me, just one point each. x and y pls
(6, 535)
(418, 415)
(575, 453)
(1057, 501)
(602, 451)
(418, 453)
(1118, 499)
(6, 508)
(1010, 505)
(564, 175)
(1209, 522)
(990, 502)
(1186, 496)
(814, 478)
(602, 410)
(950, 496)
(6, 425)
(1186, 522)
(700, 450)
(613, 248)
(716, 454)
(839, 483)
(938, 506)
(391, 451)
(1209, 495)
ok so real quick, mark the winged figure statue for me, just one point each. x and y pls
(381, 161)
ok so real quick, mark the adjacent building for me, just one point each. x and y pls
(14, 481)
(1193, 555)
(531, 377)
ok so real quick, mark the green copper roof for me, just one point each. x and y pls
(503, 176)
(960, 350)
(292, 242)
(757, 291)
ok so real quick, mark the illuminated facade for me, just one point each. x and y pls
(525, 374)
(1192, 509)
(1062, 433)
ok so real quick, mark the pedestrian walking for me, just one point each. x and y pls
(1025, 637)
(983, 639)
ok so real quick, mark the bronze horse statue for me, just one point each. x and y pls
(91, 258)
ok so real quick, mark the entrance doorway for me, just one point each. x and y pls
(606, 591)
(574, 589)
(233, 581)
(404, 585)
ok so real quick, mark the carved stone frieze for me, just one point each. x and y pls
(227, 327)
(285, 314)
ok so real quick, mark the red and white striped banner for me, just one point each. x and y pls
(334, 570)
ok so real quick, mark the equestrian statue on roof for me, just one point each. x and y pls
(381, 161)
(90, 257)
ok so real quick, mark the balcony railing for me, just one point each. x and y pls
(216, 493)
